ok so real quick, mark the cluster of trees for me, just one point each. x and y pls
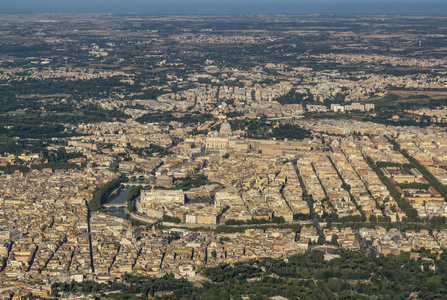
(98, 87)
(308, 276)
(168, 117)
(380, 219)
(385, 164)
(301, 217)
(233, 114)
(438, 221)
(294, 97)
(61, 155)
(10, 169)
(26, 116)
(144, 286)
(234, 229)
(33, 129)
(277, 220)
(204, 199)
(171, 219)
(334, 217)
(290, 131)
(353, 275)
(256, 128)
(346, 219)
(35, 125)
(91, 114)
(100, 194)
(148, 94)
(190, 182)
(414, 185)
(134, 193)
(19, 146)
(263, 129)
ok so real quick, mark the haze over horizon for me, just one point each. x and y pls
(224, 7)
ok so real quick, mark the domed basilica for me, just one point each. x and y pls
(225, 130)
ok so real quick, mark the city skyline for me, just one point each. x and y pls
(223, 7)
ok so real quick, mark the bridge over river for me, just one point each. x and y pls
(117, 200)
(117, 205)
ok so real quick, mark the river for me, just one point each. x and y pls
(119, 198)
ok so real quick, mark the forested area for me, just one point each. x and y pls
(264, 129)
(306, 276)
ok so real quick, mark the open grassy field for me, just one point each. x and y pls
(14, 113)
(418, 98)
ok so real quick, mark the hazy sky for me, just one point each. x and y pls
(222, 6)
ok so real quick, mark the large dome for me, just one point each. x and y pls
(225, 130)
(225, 126)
